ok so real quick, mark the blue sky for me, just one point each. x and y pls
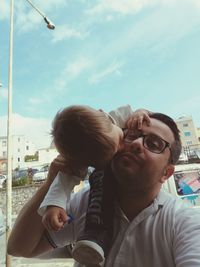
(102, 53)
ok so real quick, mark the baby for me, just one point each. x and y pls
(87, 137)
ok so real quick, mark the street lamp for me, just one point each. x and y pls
(51, 26)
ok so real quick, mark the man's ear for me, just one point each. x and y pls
(169, 170)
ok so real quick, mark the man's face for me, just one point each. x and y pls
(136, 168)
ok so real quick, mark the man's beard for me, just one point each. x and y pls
(128, 178)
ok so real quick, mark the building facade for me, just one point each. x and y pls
(188, 131)
(190, 138)
(20, 148)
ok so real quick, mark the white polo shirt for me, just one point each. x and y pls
(165, 234)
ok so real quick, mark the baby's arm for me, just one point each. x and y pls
(124, 116)
(59, 191)
(54, 204)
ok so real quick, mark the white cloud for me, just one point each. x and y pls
(65, 32)
(156, 31)
(4, 7)
(112, 68)
(121, 6)
(72, 70)
(109, 18)
(126, 7)
(78, 66)
(35, 101)
(196, 3)
(36, 130)
(3, 92)
(51, 5)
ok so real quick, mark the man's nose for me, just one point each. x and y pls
(136, 145)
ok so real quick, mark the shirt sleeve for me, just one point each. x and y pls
(59, 191)
(121, 115)
(76, 207)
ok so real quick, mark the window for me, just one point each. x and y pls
(18, 159)
(4, 154)
(4, 166)
(185, 124)
(187, 134)
(18, 139)
(27, 147)
(4, 143)
(18, 150)
(189, 142)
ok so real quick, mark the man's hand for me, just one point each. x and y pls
(138, 117)
(54, 218)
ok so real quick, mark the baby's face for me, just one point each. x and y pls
(116, 135)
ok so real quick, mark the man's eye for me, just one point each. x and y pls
(154, 143)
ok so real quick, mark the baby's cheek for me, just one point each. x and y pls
(121, 145)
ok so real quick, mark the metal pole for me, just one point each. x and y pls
(49, 23)
(9, 138)
(37, 9)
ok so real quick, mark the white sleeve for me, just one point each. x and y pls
(121, 115)
(59, 191)
(77, 208)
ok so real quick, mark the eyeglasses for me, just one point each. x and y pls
(152, 142)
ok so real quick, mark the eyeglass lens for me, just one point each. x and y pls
(154, 143)
(151, 142)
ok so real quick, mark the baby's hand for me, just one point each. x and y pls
(138, 117)
(58, 164)
(54, 218)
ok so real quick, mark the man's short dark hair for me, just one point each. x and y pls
(176, 147)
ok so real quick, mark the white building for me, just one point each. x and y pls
(46, 155)
(188, 131)
(21, 148)
(189, 138)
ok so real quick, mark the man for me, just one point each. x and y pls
(151, 228)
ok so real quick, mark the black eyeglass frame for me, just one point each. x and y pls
(144, 136)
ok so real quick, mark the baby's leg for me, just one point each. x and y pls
(93, 246)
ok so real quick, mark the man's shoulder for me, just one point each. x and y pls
(166, 199)
(175, 206)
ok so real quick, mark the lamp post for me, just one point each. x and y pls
(9, 138)
(51, 26)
